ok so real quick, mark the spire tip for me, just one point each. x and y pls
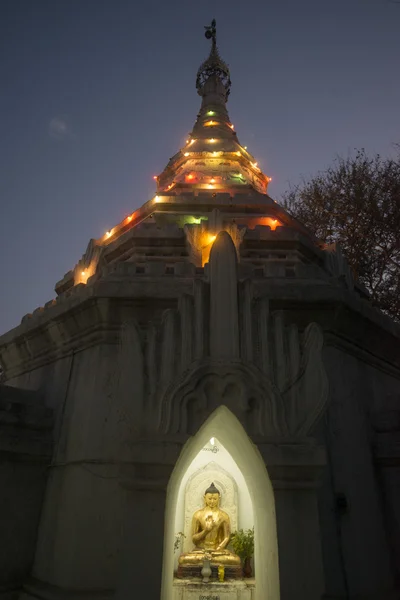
(214, 65)
(211, 31)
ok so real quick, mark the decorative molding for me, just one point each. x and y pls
(224, 315)
(258, 403)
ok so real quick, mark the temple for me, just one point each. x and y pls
(209, 408)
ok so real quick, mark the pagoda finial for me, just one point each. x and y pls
(214, 65)
(211, 31)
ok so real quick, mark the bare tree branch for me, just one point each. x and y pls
(356, 202)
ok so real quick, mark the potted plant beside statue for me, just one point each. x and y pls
(243, 544)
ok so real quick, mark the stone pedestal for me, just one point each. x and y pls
(227, 590)
(188, 571)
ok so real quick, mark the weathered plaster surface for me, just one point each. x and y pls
(132, 364)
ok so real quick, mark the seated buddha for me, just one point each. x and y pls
(211, 532)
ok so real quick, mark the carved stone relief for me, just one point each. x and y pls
(221, 347)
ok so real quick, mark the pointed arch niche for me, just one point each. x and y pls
(242, 460)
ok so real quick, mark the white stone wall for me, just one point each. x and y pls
(354, 542)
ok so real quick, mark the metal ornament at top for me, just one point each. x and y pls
(214, 65)
(211, 31)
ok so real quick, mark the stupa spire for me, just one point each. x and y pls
(214, 67)
(213, 157)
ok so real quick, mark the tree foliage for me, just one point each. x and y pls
(356, 203)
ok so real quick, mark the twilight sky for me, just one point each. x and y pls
(96, 95)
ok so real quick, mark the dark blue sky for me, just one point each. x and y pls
(96, 95)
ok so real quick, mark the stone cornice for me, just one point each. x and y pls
(91, 314)
(76, 328)
(112, 245)
(347, 320)
(140, 288)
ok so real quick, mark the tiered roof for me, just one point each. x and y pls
(213, 157)
(211, 184)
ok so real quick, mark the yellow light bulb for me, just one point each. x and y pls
(186, 153)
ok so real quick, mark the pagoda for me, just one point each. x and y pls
(212, 184)
(207, 351)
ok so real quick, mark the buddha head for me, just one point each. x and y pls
(212, 497)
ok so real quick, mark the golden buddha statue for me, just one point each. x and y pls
(211, 532)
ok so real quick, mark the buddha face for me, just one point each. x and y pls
(211, 500)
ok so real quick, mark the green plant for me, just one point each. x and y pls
(243, 543)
